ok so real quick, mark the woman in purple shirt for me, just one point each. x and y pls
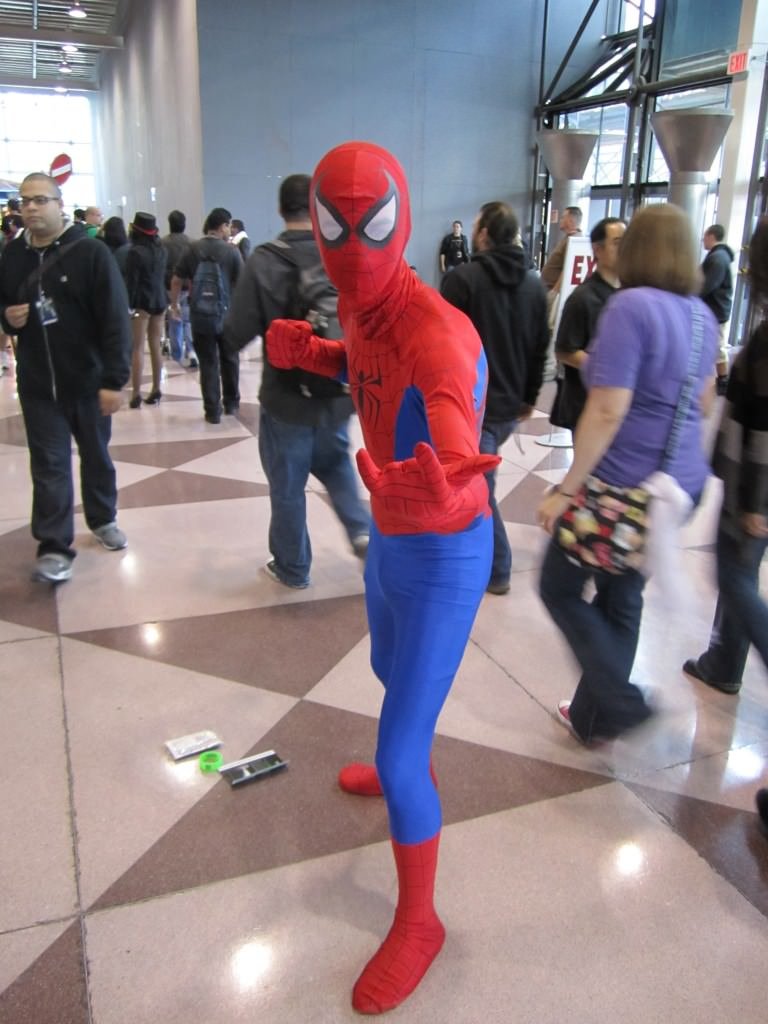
(635, 372)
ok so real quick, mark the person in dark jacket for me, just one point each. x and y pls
(717, 292)
(454, 249)
(507, 304)
(219, 365)
(741, 460)
(63, 295)
(176, 243)
(300, 433)
(145, 280)
(115, 237)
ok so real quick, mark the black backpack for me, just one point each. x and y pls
(315, 299)
(208, 296)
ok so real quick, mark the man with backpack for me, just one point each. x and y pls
(303, 428)
(209, 270)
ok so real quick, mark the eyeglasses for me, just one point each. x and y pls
(38, 200)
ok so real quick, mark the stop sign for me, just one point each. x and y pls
(61, 168)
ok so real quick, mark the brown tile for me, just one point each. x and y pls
(52, 990)
(248, 415)
(21, 600)
(519, 506)
(241, 645)
(12, 430)
(176, 488)
(729, 839)
(168, 454)
(301, 813)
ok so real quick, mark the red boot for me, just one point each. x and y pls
(363, 779)
(415, 938)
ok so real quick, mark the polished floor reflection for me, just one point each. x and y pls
(577, 886)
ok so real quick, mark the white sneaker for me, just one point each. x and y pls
(52, 568)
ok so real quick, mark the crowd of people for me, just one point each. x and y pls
(440, 380)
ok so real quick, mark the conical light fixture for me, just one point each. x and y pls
(76, 11)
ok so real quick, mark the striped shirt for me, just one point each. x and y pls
(741, 450)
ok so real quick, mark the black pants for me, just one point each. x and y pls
(50, 427)
(219, 372)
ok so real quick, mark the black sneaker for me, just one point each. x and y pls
(693, 668)
(213, 417)
(498, 587)
(761, 802)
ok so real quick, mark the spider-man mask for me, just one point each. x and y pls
(362, 221)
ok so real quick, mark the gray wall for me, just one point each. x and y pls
(213, 101)
(447, 85)
(148, 116)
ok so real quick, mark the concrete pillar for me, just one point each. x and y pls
(566, 153)
(689, 138)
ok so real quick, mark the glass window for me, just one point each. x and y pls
(36, 126)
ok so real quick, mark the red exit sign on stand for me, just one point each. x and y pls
(738, 62)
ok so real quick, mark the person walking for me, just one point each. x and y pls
(649, 366)
(304, 420)
(62, 294)
(507, 304)
(209, 269)
(741, 461)
(145, 280)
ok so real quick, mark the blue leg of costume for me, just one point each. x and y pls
(422, 594)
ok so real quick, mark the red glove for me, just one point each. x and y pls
(288, 342)
(420, 495)
(291, 343)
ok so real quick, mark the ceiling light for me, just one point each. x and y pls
(59, 88)
(76, 11)
(65, 68)
(69, 48)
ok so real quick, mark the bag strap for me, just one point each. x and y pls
(36, 275)
(686, 392)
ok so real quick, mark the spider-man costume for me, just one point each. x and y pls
(417, 372)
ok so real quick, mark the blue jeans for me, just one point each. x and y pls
(603, 636)
(50, 428)
(741, 616)
(289, 453)
(492, 437)
(180, 332)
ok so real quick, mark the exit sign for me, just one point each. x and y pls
(738, 62)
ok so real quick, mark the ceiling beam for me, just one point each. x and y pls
(44, 35)
(17, 82)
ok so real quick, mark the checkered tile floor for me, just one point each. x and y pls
(576, 886)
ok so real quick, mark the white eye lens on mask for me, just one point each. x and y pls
(382, 225)
(329, 227)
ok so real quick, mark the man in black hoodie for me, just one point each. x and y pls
(62, 294)
(717, 291)
(507, 304)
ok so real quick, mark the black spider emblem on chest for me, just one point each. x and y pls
(366, 391)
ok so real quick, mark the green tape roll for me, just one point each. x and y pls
(211, 761)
